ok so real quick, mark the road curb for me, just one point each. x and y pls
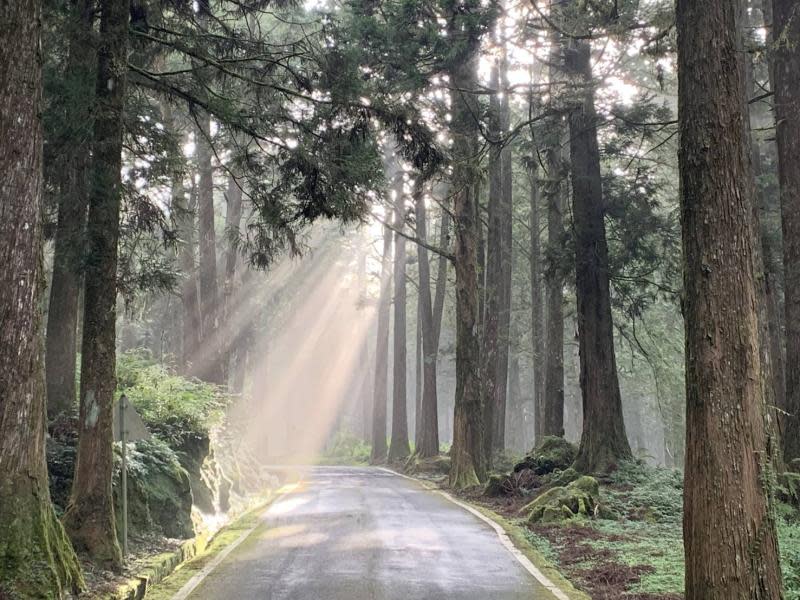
(533, 562)
(163, 565)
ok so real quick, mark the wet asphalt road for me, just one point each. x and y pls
(365, 534)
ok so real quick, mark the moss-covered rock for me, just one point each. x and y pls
(553, 453)
(581, 498)
(159, 493)
(563, 478)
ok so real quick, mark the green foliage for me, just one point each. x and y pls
(648, 536)
(346, 449)
(159, 494)
(173, 407)
(789, 540)
(644, 493)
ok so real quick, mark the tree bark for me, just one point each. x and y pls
(467, 466)
(537, 304)
(441, 277)
(62, 315)
(603, 441)
(89, 517)
(554, 284)
(504, 305)
(428, 437)
(36, 559)
(769, 342)
(378, 453)
(210, 357)
(399, 447)
(786, 66)
(233, 222)
(493, 274)
(731, 554)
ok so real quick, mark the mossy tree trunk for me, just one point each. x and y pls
(36, 559)
(786, 84)
(399, 447)
(729, 535)
(467, 466)
(73, 148)
(603, 441)
(89, 517)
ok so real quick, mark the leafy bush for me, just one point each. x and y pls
(173, 407)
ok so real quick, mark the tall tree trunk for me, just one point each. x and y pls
(378, 453)
(494, 273)
(769, 343)
(36, 559)
(398, 446)
(537, 305)
(418, 376)
(441, 277)
(504, 304)
(786, 83)
(725, 439)
(190, 298)
(554, 283)
(467, 466)
(89, 518)
(428, 444)
(233, 222)
(62, 315)
(210, 367)
(603, 442)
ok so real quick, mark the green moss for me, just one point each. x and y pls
(552, 454)
(166, 589)
(36, 558)
(581, 498)
(159, 493)
(535, 549)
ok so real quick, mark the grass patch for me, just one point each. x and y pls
(226, 536)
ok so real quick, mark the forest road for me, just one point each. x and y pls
(349, 533)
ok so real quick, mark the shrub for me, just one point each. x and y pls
(173, 407)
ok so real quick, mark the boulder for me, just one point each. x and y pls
(159, 493)
(553, 453)
(581, 498)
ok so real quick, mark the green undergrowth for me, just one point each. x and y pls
(640, 554)
(345, 449)
(173, 407)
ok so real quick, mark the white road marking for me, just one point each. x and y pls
(504, 539)
(198, 578)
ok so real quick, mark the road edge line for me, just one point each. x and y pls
(505, 540)
(198, 578)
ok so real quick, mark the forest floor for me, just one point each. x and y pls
(101, 583)
(638, 555)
